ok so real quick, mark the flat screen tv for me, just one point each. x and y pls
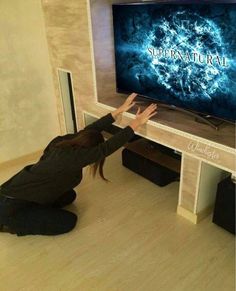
(178, 53)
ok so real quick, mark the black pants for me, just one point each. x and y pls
(23, 217)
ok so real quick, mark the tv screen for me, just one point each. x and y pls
(180, 54)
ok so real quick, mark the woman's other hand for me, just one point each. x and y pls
(129, 103)
(143, 117)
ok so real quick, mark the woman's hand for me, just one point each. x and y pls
(129, 103)
(143, 117)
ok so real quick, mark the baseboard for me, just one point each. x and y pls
(194, 217)
(20, 160)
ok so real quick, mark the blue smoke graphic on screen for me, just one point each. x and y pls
(184, 55)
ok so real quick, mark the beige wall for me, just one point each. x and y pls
(28, 112)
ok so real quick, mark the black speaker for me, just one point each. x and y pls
(148, 169)
(224, 211)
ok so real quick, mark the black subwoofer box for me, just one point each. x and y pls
(224, 211)
(148, 169)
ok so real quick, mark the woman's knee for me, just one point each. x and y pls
(65, 199)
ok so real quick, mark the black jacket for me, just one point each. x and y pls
(60, 169)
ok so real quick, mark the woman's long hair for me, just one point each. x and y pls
(85, 139)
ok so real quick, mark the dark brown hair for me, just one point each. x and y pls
(85, 139)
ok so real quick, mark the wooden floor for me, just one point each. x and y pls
(128, 238)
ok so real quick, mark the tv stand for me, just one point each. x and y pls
(214, 121)
(207, 119)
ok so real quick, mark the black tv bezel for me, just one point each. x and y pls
(176, 2)
(184, 2)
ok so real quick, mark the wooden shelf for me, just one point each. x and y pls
(155, 153)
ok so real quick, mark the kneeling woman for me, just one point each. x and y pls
(31, 201)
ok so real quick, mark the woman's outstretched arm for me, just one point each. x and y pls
(101, 124)
(94, 154)
(105, 121)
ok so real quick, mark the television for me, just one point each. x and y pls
(181, 54)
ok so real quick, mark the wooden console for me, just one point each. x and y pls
(152, 153)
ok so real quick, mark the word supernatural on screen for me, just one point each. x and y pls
(185, 56)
